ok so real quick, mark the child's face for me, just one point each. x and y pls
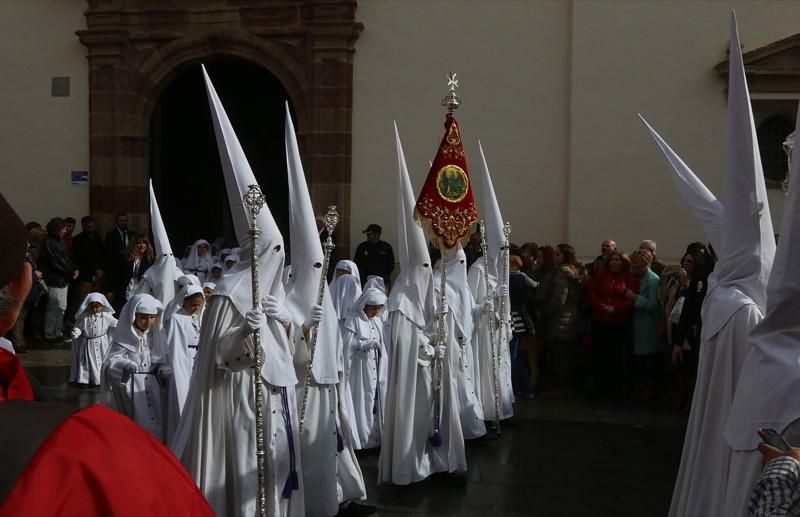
(144, 322)
(207, 292)
(193, 303)
(95, 307)
(372, 310)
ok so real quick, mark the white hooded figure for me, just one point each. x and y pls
(345, 287)
(768, 391)
(181, 335)
(704, 204)
(366, 366)
(216, 437)
(492, 299)
(331, 474)
(459, 336)
(713, 475)
(407, 454)
(200, 260)
(131, 380)
(160, 278)
(91, 338)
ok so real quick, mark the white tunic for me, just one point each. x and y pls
(481, 346)
(406, 453)
(366, 373)
(140, 396)
(703, 482)
(92, 346)
(459, 334)
(216, 436)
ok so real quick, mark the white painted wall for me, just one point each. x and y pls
(552, 89)
(43, 138)
(510, 58)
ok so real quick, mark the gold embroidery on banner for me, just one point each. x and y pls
(452, 183)
(452, 224)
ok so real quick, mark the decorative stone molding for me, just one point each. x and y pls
(135, 47)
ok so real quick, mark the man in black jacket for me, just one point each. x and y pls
(57, 271)
(117, 240)
(88, 255)
(374, 256)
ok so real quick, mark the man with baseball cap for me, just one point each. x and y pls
(374, 256)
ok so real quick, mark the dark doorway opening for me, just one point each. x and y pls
(184, 160)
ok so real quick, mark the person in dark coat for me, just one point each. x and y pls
(374, 256)
(57, 271)
(118, 239)
(125, 270)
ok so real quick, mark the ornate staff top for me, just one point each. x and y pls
(451, 101)
(331, 219)
(254, 200)
(506, 230)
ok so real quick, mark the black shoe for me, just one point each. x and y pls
(357, 510)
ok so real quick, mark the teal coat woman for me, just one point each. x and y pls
(648, 313)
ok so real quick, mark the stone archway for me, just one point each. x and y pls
(137, 46)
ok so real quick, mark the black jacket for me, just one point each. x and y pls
(88, 254)
(114, 244)
(54, 264)
(374, 259)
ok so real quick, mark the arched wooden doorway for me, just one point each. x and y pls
(136, 48)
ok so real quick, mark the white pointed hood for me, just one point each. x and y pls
(459, 296)
(307, 260)
(495, 240)
(412, 292)
(236, 283)
(704, 204)
(491, 215)
(748, 244)
(768, 391)
(159, 279)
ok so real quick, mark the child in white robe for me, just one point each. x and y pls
(181, 335)
(90, 339)
(131, 381)
(366, 368)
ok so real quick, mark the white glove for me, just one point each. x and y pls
(314, 317)
(165, 372)
(443, 309)
(488, 305)
(255, 319)
(426, 353)
(120, 370)
(274, 309)
(441, 351)
(365, 345)
(76, 332)
(501, 291)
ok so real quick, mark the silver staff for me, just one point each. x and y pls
(506, 323)
(331, 220)
(254, 201)
(492, 342)
(441, 340)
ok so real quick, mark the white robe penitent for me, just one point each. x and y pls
(482, 350)
(216, 437)
(181, 337)
(366, 374)
(702, 487)
(330, 466)
(406, 453)
(91, 347)
(140, 396)
(459, 355)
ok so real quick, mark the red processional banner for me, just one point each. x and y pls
(445, 206)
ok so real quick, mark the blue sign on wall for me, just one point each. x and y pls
(80, 177)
